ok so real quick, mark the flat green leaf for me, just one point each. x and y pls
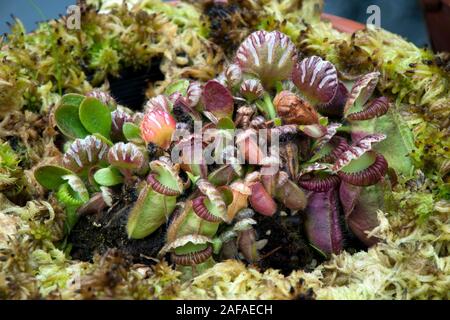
(180, 86)
(67, 116)
(108, 177)
(226, 124)
(323, 121)
(105, 140)
(131, 131)
(51, 177)
(95, 116)
(399, 142)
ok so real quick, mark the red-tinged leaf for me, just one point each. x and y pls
(376, 108)
(357, 149)
(288, 193)
(314, 130)
(261, 200)
(361, 91)
(317, 79)
(126, 156)
(218, 100)
(322, 222)
(335, 108)
(360, 207)
(157, 127)
(270, 56)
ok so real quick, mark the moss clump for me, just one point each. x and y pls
(9, 169)
(38, 67)
(229, 24)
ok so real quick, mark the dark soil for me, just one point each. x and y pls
(287, 249)
(98, 233)
(182, 116)
(221, 20)
(129, 89)
(351, 243)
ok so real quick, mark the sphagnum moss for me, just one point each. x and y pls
(411, 262)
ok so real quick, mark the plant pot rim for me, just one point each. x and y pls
(343, 24)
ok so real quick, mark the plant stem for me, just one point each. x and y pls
(269, 106)
(266, 106)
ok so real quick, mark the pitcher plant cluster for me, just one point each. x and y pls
(273, 132)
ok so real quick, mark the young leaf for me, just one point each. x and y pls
(67, 116)
(72, 218)
(131, 132)
(317, 79)
(277, 122)
(180, 86)
(217, 99)
(361, 91)
(95, 116)
(313, 130)
(51, 177)
(108, 177)
(157, 127)
(193, 177)
(78, 186)
(225, 124)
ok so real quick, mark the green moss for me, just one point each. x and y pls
(10, 172)
(55, 59)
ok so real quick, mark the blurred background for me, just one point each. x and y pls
(404, 17)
